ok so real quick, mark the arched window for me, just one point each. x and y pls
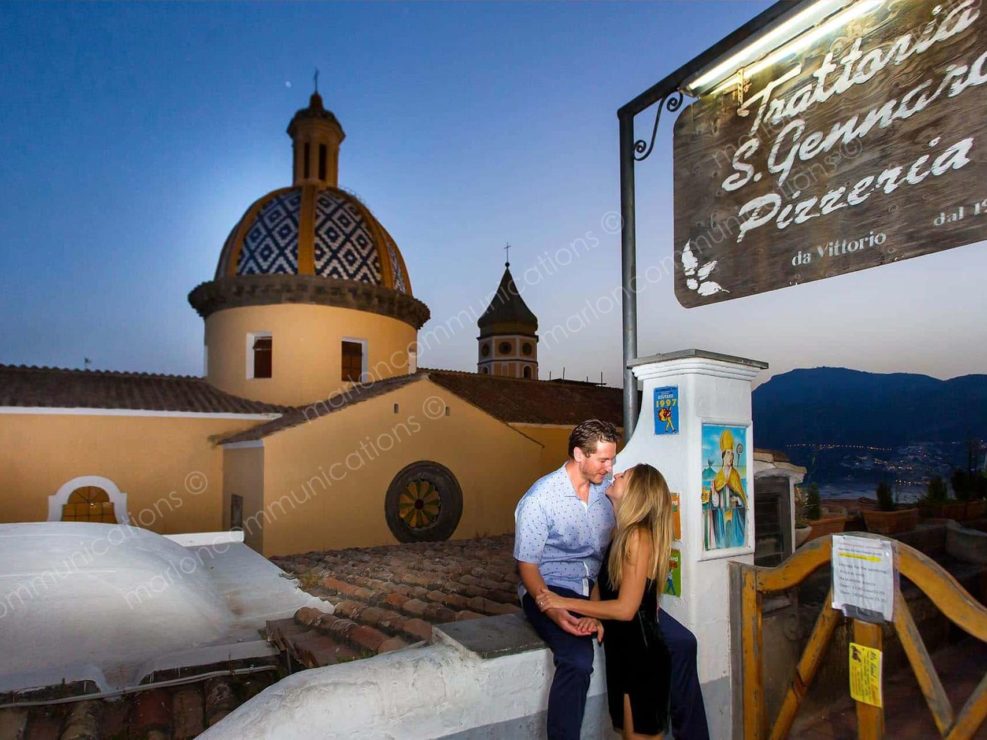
(89, 498)
(526, 372)
(89, 504)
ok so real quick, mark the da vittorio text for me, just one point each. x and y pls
(839, 248)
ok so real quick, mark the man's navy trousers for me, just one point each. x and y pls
(573, 658)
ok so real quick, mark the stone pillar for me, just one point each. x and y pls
(695, 415)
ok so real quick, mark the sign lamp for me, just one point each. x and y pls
(789, 35)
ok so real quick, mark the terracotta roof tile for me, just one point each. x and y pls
(534, 401)
(389, 597)
(318, 409)
(507, 399)
(49, 387)
(181, 712)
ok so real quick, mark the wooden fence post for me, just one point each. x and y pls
(870, 719)
(751, 636)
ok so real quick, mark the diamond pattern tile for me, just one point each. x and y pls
(343, 245)
(344, 248)
(271, 245)
(392, 253)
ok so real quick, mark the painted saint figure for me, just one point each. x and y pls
(729, 502)
(724, 499)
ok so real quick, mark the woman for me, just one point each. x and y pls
(625, 597)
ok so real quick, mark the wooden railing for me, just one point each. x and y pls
(937, 584)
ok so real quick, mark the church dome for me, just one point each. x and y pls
(311, 230)
(311, 242)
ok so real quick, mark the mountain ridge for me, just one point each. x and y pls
(828, 405)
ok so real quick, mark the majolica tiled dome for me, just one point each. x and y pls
(313, 230)
(311, 242)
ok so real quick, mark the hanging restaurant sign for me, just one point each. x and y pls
(865, 146)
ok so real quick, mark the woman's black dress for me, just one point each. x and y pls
(638, 663)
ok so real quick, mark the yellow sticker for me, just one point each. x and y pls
(865, 674)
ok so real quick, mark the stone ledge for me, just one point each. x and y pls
(697, 354)
(492, 637)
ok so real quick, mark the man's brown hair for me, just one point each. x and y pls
(590, 433)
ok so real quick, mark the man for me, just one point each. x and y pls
(562, 528)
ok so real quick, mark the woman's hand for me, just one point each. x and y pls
(588, 625)
(548, 600)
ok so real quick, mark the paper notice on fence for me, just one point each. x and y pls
(863, 577)
(865, 674)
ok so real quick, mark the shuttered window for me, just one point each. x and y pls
(263, 356)
(352, 361)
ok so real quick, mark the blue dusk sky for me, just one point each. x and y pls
(134, 135)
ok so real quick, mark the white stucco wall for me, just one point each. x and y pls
(712, 389)
(441, 690)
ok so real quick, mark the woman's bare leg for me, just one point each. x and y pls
(628, 731)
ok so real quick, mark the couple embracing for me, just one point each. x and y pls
(592, 555)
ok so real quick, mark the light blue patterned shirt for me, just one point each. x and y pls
(563, 536)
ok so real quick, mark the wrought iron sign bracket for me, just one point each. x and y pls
(668, 97)
(671, 102)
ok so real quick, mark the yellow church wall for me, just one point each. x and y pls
(554, 439)
(555, 443)
(307, 355)
(325, 481)
(243, 475)
(167, 466)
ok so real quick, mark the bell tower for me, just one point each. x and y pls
(508, 341)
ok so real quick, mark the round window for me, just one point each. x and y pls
(485, 350)
(504, 348)
(424, 503)
(526, 348)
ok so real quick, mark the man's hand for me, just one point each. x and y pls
(569, 623)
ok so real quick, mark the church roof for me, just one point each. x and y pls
(507, 312)
(318, 409)
(510, 400)
(51, 387)
(520, 401)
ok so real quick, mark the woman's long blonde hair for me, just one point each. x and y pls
(645, 509)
